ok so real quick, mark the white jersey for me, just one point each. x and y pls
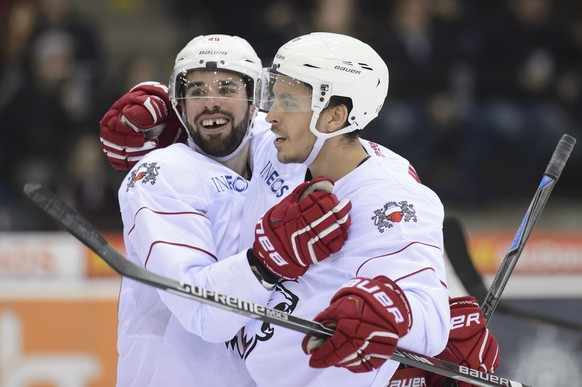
(396, 231)
(182, 213)
(186, 217)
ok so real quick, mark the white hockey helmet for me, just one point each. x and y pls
(337, 65)
(333, 65)
(215, 52)
(219, 53)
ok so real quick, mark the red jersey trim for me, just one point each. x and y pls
(162, 213)
(399, 251)
(176, 244)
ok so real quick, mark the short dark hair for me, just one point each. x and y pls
(347, 102)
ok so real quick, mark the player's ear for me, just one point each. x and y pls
(334, 118)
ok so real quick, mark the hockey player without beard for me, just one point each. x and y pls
(380, 284)
(386, 286)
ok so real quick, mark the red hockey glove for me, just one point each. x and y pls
(138, 122)
(304, 228)
(470, 343)
(369, 316)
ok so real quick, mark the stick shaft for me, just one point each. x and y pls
(458, 254)
(549, 179)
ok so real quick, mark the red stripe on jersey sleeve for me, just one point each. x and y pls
(420, 271)
(412, 172)
(397, 252)
(163, 213)
(177, 244)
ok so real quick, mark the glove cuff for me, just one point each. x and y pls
(264, 275)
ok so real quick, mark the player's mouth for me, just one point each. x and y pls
(214, 123)
(278, 138)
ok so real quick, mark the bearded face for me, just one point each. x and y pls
(220, 135)
(216, 109)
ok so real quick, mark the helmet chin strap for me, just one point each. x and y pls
(317, 145)
(321, 137)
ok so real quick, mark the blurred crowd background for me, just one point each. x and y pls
(480, 90)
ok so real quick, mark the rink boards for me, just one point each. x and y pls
(58, 300)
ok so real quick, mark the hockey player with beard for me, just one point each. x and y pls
(183, 205)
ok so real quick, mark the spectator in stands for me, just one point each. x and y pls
(425, 49)
(83, 88)
(526, 61)
(49, 96)
(17, 27)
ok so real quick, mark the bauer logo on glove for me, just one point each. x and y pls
(369, 315)
(471, 344)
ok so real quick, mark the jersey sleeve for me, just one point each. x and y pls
(169, 229)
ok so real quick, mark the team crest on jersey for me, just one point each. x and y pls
(393, 212)
(145, 173)
(243, 344)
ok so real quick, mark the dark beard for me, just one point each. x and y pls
(220, 145)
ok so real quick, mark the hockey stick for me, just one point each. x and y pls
(490, 299)
(458, 254)
(549, 179)
(85, 232)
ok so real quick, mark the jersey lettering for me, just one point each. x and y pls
(230, 183)
(376, 148)
(276, 184)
